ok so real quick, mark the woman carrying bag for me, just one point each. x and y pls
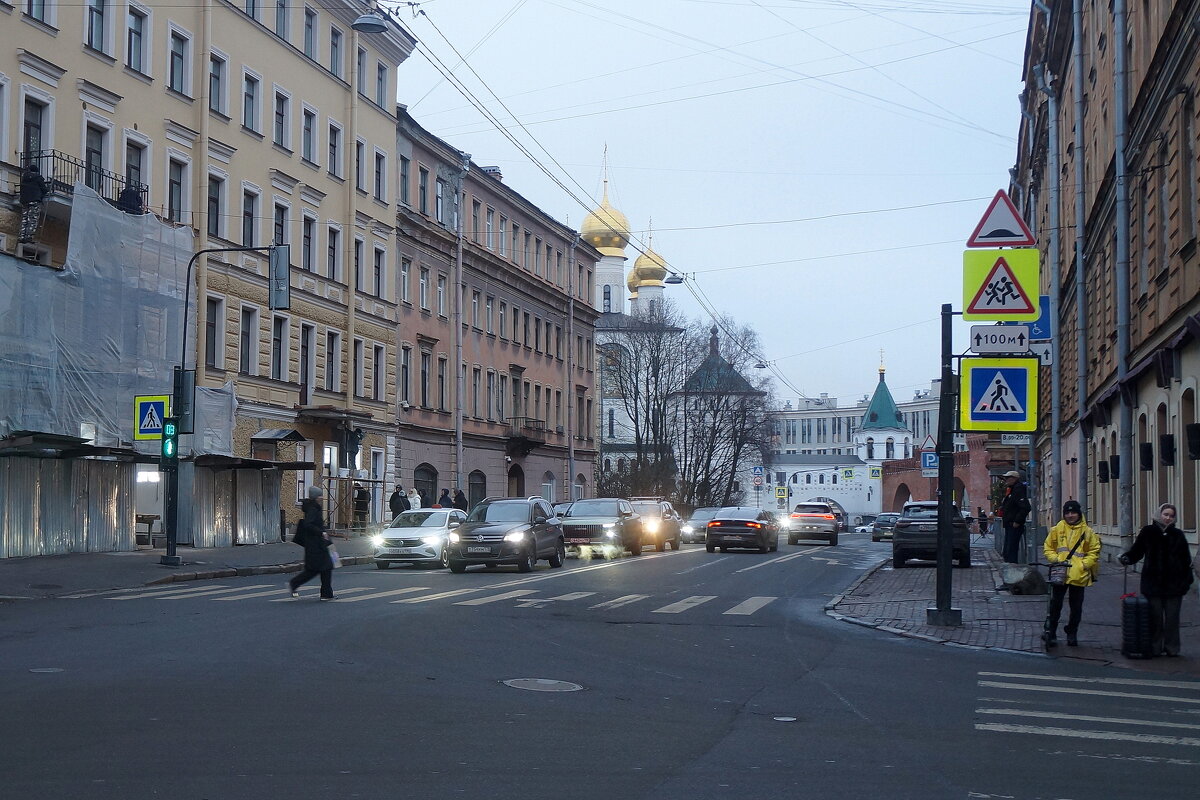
(1072, 550)
(319, 557)
(1166, 576)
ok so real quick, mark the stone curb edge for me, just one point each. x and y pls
(238, 572)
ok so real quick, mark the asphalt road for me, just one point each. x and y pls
(700, 676)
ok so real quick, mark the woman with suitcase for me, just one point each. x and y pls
(1166, 576)
(1074, 544)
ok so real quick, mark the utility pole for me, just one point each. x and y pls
(1125, 421)
(942, 614)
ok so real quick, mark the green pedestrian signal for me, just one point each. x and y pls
(170, 445)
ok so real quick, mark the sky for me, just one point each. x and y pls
(812, 168)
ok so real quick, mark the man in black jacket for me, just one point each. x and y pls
(1014, 508)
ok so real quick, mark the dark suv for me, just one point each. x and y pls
(507, 530)
(915, 534)
(607, 525)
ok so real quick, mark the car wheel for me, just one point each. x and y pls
(710, 548)
(964, 561)
(775, 546)
(445, 561)
(833, 540)
(635, 549)
(791, 540)
(874, 538)
(560, 553)
(897, 560)
(383, 564)
(723, 549)
(528, 560)
(458, 566)
(764, 548)
(675, 543)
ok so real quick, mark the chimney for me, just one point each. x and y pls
(494, 172)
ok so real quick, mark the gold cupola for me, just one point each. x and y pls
(650, 269)
(606, 228)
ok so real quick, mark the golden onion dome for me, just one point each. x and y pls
(650, 268)
(633, 282)
(606, 228)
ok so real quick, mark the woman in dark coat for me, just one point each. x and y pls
(460, 500)
(1166, 575)
(311, 534)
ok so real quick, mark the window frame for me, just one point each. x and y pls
(252, 117)
(181, 70)
(143, 48)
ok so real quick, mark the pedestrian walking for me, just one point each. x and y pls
(310, 533)
(1014, 508)
(414, 499)
(444, 500)
(1074, 543)
(460, 500)
(362, 506)
(1166, 576)
(398, 503)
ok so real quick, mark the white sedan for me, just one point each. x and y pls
(417, 538)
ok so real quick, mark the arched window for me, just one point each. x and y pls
(833, 479)
(580, 487)
(549, 485)
(620, 465)
(425, 479)
(476, 487)
(808, 478)
(607, 297)
(821, 478)
(612, 422)
(608, 465)
(890, 448)
(870, 447)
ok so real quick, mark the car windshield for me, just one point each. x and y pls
(703, 514)
(923, 511)
(648, 509)
(812, 509)
(594, 508)
(420, 519)
(738, 512)
(517, 511)
(887, 518)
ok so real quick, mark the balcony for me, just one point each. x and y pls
(524, 434)
(62, 171)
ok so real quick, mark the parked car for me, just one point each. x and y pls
(660, 524)
(607, 524)
(915, 534)
(882, 527)
(507, 530)
(693, 530)
(841, 519)
(417, 537)
(813, 521)
(742, 526)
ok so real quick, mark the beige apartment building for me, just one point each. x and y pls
(246, 124)
(521, 401)
(1128, 283)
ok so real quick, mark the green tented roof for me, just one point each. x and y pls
(882, 411)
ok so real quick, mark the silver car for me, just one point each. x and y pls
(417, 537)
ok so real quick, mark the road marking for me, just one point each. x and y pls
(207, 593)
(1016, 712)
(390, 593)
(685, 604)
(621, 601)
(777, 560)
(747, 607)
(1097, 692)
(479, 601)
(304, 594)
(1114, 681)
(538, 602)
(173, 590)
(1147, 738)
(275, 590)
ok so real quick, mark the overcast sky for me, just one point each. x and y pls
(812, 166)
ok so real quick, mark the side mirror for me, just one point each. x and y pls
(454, 524)
(539, 519)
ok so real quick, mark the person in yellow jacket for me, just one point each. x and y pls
(1071, 533)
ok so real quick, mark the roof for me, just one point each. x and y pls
(715, 375)
(881, 412)
(815, 460)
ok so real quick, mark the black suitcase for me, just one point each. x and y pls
(1136, 638)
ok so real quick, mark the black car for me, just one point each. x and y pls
(507, 530)
(915, 534)
(742, 526)
(883, 526)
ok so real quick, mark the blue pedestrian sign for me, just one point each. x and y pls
(149, 411)
(999, 394)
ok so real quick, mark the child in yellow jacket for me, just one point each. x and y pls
(1074, 542)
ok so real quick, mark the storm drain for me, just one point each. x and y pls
(542, 685)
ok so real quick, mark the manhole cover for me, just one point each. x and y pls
(543, 685)
(46, 670)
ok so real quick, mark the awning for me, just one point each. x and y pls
(278, 435)
(232, 462)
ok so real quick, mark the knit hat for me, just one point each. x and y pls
(315, 492)
(1072, 507)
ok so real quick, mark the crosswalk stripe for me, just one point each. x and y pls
(537, 602)
(306, 594)
(1117, 681)
(391, 593)
(479, 601)
(685, 604)
(621, 601)
(1017, 712)
(1147, 738)
(266, 593)
(1097, 692)
(747, 607)
(207, 593)
(162, 592)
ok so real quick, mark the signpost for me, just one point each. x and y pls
(1000, 338)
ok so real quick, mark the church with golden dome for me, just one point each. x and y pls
(607, 229)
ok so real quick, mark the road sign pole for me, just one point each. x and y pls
(943, 615)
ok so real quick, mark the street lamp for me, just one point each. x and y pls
(674, 279)
(370, 22)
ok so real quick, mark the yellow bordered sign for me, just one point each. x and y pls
(998, 394)
(149, 411)
(1001, 285)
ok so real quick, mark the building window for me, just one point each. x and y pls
(35, 120)
(93, 157)
(310, 33)
(308, 229)
(335, 150)
(250, 102)
(607, 298)
(502, 236)
(491, 395)
(378, 373)
(356, 366)
(405, 270)
(135, 40)
(439, 207)
(176, 174)
(503, 313)
(441, 384)
(491, 223)
(488, 305)
(252, 9)
(134, 156)
(360, 72)
(475, 296)
(333, 361)
(249, 213)
(335, 52)
(404, 180)
(358, 265)
(381, 80)
(216, 84)
(308, 133)
(36, 9)
(378, 272)
(333, 257)
(248, 342)
(95, 24)
(380, 176)
(426, 360)
(214, 323)
(281, 19)
(405, 374)
(307, 353)
(423, 288)
(216, 201)
(423, 190)
(279, 349)
(281, 120)
(516, 240)
(360, 179)
(280, 224)
(177, 59)
(476, 381)
(441, 295)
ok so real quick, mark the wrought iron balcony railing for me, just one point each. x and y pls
(62, 171)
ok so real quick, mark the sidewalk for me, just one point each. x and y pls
(83, 573)
(894, 601)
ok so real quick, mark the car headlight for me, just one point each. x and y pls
(608, 526)
(651, 525)
(688, 529)
(432, 541)
(515, 536)
(377, 541)
(452, 537)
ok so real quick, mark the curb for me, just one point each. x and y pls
(239, 572)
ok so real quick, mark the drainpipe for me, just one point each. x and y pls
(1080, 288)
(1125, 422)
(460, 390)
(569, 389)
(1055, 170)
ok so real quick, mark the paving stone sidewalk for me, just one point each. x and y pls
(895, 600)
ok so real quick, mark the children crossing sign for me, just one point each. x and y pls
(1000, 285)
(999, 394)
(149, 411)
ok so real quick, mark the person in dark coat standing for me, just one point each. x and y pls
(1013, 510)
(1166, 575)
(460, 500)
(311, 534)
(397, 502)
(444, 500)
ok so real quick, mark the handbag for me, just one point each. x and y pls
(1058, 570)
(333, 556)
(298, 534)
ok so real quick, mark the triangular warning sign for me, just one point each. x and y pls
(152, 421)
(929, 443)
(1001, 226)
(1001, 293)
(998, 398)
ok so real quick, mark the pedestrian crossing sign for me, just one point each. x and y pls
(998, 394)
(1001, 285)
(149, 411)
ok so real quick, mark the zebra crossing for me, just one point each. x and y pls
(466, 597)
(1145, 711)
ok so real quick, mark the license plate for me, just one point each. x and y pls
(395, 551)
(583, 540)
(478, 549)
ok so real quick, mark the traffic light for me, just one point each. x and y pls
(169, 461)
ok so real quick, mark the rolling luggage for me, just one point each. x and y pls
(1136, 637)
